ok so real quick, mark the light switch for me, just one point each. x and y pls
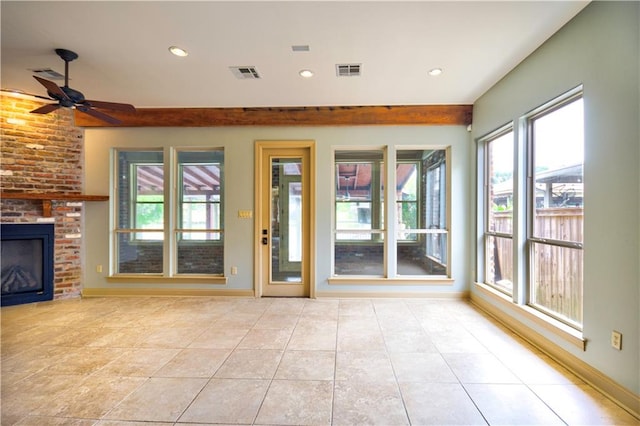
(245, 214)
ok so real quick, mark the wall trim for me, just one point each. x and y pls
(354, 280)
(464, 295)
(616, 392)
(151, 292)
(159, 279)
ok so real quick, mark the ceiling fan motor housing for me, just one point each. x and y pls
(74, 95)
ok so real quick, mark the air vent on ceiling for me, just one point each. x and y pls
(245, 73)
(48, 73)
(300, 47)
(348, 70)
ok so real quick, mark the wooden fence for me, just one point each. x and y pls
(557, 271)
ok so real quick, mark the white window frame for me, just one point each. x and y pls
(389, 229)
(172, 214)
(528, 120)
(517, 304)
(486, 204)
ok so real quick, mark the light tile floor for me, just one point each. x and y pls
(167, 361)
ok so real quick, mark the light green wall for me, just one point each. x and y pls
(600, 49)
(238, 143)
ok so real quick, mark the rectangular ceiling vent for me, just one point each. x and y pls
(245, 73)
(348, 70)
(48, 73)
(300, 47)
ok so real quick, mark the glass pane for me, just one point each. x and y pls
(407, 196)
(421, 207)
(286, 220)
(140, 190)
(359, 259)
(407, 215)
(353, 215)
(295, 222)
(200, 253)
(499, 268)
(558, 143)
(139, 255)
(436, 190)
(359, 190)
(557, 280)
(200, 216)
(413, 257)
(406, 182)
(200, 181)
(149, 201)
(500, 184)
(437, 247)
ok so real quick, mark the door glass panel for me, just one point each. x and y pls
(295, 222)
(286, 220)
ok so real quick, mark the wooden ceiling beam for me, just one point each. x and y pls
(287, 116)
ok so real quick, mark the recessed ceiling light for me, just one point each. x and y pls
(178, 51)
(434, 72)
(306, 73)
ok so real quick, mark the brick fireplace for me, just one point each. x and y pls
(42, 154)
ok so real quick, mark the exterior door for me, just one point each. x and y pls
(284, 219)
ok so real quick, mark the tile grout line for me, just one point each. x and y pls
(395, 376)
(255, 418)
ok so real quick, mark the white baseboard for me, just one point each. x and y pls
(150, 292)
(364, 294)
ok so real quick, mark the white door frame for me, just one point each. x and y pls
(261, 146)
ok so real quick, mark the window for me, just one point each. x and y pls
(146, 222)
(359, 217)
(533, 208)
(199, 232)
(149, 200)
(436, 212)
(139, 231)
(498, 235)
(416, 243)
(556, 207)
(421, 212)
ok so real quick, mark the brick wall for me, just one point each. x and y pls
(43, 153)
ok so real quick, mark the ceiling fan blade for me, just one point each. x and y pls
(97, 114)
(110, 105)
(52, 87)
(45, 109)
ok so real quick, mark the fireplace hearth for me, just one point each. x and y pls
(26, 263)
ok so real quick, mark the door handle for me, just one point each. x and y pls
(265, 241)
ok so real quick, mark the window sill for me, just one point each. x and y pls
(508, 307)
(159, 279)
(363, 280)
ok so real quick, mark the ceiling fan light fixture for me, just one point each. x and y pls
(178, 51)
(306, 73)
(435, 72)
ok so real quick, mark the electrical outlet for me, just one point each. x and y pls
(616, 340)
(99, 269)
(234, 270)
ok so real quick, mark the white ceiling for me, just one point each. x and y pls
(123, 48)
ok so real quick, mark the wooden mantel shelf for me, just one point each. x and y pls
(48, 197)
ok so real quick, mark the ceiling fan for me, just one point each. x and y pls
(69, 98)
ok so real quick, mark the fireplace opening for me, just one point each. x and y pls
(26, 263)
